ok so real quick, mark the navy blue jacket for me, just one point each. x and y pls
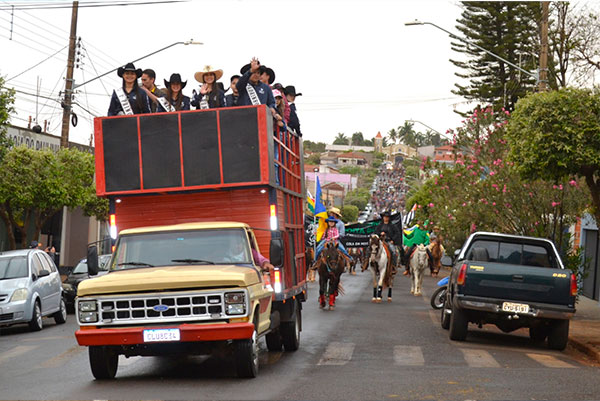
(212, 99)
(141, 107)
(294, 122)
(231, 101)
(263, 91)
(185, 104)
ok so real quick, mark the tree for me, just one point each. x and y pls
(349, 213)
(586, 47)
(7, 99)
(358, 139)
(340, 139)
(36, 184)
(314, 146)
(556, 136)
(406, 133)
(315, 158)
(507, 29)
(392, 135)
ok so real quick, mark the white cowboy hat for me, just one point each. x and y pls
(336, 211)
(208, 70)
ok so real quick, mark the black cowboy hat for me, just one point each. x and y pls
(175, 78)
(291, 90)
(271, 75)
(386, 213)
(129, 67)
(245, 68)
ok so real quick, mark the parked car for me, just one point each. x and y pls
(513, 282)
(80, 273)
(30, 289)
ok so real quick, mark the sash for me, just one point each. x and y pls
(165, 104)
(204, 102)
(252, 94)
(124, 100)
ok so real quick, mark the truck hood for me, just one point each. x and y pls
(169, 278)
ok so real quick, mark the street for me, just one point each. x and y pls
(359, 351)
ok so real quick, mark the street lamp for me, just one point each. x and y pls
(427, 126)
(531, 74)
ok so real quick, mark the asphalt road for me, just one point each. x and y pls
(359, 351)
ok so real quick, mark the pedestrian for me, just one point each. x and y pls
(294, 122)
(174, 99)
(231, 100)
(148, 82)
(211, 96)
(129, 99)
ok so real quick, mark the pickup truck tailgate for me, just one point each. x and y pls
(518, 283)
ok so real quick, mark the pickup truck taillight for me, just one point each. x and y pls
(462, 275)
(573, 285)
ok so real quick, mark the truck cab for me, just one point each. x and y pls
(194, 197)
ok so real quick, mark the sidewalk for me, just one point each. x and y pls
(584, 331)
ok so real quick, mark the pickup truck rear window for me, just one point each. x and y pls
(510, 253)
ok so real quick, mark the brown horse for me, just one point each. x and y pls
(437, 251)
(331, 266)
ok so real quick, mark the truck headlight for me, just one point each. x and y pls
(87, 306)
(235, 303)
(88, 317)
(19, 295)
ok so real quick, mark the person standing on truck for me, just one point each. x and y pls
(294, 122)
(254, 92)
(173, 100)
(231, 100)
(148, 82)
(129, 99)
(211, 96)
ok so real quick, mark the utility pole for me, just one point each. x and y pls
(543, 84)
(64, 137)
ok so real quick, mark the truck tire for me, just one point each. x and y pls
(274, 342)
(558, 335)
(445, 319)
(103, 361)
(36, 323)
(246, 355)
(459, 324)
(60, 317)
(290, 332)
(538, 334)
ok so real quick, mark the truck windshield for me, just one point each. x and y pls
(176, 248)
(13, 268)
(511, 253)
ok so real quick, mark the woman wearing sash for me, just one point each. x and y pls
(129, 99)
(210, 96)
(174, 100)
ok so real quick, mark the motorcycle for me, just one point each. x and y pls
(437, 298)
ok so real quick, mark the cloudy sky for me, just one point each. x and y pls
(356, 63)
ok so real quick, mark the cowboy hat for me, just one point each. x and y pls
(271, 75)
(386, 213)
(335, 211)
(175, 79)
(291, 90)
(208, 70)
(331, 219)
(129, 67)
(261, 69)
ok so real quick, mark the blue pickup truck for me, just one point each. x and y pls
(512, 282)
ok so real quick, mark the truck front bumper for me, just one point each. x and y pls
(494, 305)
(188, 333)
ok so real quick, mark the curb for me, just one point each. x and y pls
(586, 348)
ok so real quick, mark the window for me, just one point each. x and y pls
(50, 262)
(13, 267)
(536, 256)
(36, 266)
(510, 253)
(490, 246)
(43, 262)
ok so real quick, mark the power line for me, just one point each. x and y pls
(12, 23)
(31, 68)
(57, 6)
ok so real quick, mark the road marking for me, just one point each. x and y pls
(478, 358)
(549, 361)
(337, 354)
(60, 359)
(124, 361)
(16, 351)
(408, 355)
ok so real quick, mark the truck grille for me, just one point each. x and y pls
(161, 308)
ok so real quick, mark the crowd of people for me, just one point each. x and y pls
(254, 86)
(390, 189)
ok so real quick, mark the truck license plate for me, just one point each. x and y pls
(159, 335)
(515, 308)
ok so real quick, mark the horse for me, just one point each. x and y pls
(355, 257)
(418, 263)
(309, 257)
(331, 265)
(381, 267)
(436, 253)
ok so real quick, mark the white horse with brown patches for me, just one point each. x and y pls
(380, 264)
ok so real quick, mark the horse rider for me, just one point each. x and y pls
(337, 214)
(392, 235)
(331, 234)
(418, 236)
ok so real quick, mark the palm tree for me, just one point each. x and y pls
(406, 133)
(392, 135)
(340, 139)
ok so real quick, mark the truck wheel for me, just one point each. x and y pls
(445, 320)
(104, 362)
(558, 335)
(274, 343)
(60, 317)
(459, 324)
(246, 355)
(36, 323)
(538, 334)
(290, 332)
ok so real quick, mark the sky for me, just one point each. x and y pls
(359, 68)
